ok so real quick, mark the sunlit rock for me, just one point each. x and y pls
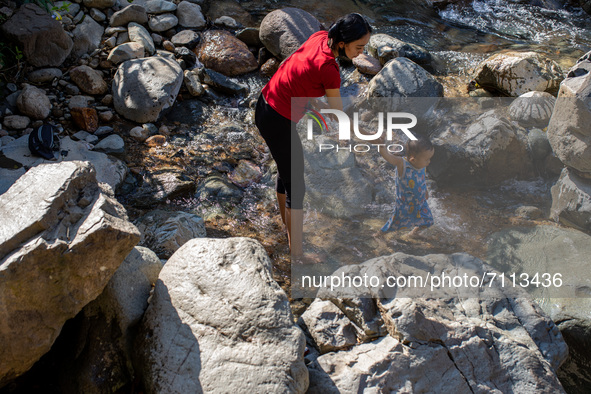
(217, 312)
(516, 73)
(60, 245)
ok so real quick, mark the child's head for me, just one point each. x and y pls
(419, 152)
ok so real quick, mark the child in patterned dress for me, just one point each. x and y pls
(411, 210)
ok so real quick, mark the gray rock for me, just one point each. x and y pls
(162, 186)
(44, 75)
(190, 15)
(109, 170)
(122, 38)
(138, 33)
(163, 22)
(34, 103)
(79, 102)
(59, 248)
(87, 37)
(538, 144)
(568, 130)
(556, 250)
(165, 232)
(101, 337)
(186, 38)
(401, 77)
(385, 48)
(250, 36)
(126, 51)
(159, 6)
(139, 133)
(131, 13)
(228, 22)
(533, 109)
(97, 15)
(221, 83)
(329, 327)
(89, 80)
(8, 177)
(100, 4)
(516, 73)
(571, 200)
(202, 326)
(16, 122)
(103, 130)
(364, 313)
(216, 188)
(111, 144)
(42, 39)
(111, 42)
(471, 339)
(489, 151)
(143, 88)
(192, 83)
(283, 31)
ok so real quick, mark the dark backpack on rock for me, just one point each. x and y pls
(44, 142)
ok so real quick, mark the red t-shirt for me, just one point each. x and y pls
(308, 72)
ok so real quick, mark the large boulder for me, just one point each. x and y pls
(554, 250)
(60, 244)
(444, 338)
(401, 77)
(283, 31)
(224, 53)
(568, 131)
(489, 151)
(516, 73)
(41, 38)
(385, 48)
(143, 88)
(571, 200)
(218, 322)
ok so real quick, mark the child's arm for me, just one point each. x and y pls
(390, 157)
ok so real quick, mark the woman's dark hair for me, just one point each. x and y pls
(348, 28)
(414, 147)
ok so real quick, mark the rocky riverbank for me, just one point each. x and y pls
(153, 101)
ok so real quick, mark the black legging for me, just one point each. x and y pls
(286, 148)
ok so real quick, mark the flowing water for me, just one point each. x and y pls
(459, 36)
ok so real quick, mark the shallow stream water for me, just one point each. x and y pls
(459, 36)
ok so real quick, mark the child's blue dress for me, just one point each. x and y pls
(411, 208)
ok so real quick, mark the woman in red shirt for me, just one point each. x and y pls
(311, 71)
